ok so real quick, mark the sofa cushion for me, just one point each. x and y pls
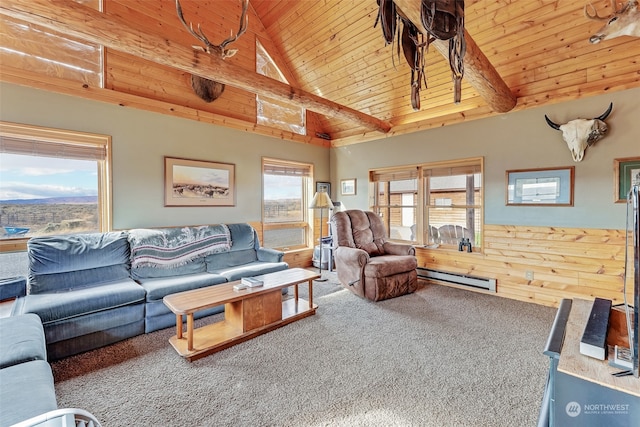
(251, 269)
(101, 322)
(158, 288)
(53, 307)
(196, 266)
(21, 340)
(218, 262)
(19, 402)
(243, 236)
(58, 263)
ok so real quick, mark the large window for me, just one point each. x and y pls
(429, 204)
(286, 187)
(52, 182)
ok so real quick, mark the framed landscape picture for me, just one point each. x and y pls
(626, 172)
(198, 183)
(540, 187)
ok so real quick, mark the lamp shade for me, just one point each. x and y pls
(321, 200)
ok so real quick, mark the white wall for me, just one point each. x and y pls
(141, 140)
(517, 140)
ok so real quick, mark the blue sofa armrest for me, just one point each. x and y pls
(13, 287)
(269, 255)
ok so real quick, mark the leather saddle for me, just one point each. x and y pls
(442, 18)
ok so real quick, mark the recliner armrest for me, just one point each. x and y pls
(353, 256)
(392, 248)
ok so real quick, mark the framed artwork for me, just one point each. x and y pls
(626, 172)
(198, 183)
(540, 187)
(323, 186)
(348, 187)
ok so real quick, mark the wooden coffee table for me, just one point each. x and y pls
(248, 313)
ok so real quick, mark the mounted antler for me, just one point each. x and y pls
(623, 22)
(210, 90)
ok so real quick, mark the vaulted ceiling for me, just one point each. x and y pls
(520, 54)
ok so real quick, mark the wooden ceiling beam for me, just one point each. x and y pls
(111, 31)
(478, 71)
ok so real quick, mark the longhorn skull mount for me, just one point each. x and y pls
(580, 134)
(210, 90)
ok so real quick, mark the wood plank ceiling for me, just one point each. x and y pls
(330, 49)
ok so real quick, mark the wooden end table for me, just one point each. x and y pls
(248, 312)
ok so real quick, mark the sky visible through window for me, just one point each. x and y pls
(277, 187)
(30, 177)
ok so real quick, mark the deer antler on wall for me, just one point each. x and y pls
(210, 90)
(621, 22)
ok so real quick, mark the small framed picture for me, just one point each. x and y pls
(323, 186)
(626, 172)
(348, 187)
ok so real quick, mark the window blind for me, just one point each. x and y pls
(286, 169)
(59, 149)
(400, 174)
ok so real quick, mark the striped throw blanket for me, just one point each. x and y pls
(172, 247)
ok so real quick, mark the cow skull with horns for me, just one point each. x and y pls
(580, 134)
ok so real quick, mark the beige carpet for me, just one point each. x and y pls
(439, 357)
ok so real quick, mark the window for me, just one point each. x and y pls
(436, 203)
(286, 187)
(396, 201)
(52, 182)
(33, 49)
(273, 112)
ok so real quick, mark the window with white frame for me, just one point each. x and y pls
(434, 203)
(52, 182)
(286, 188)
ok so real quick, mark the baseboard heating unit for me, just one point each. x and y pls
(458, 279)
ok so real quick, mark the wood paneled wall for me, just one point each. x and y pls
(565, 262)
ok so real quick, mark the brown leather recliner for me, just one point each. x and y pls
(366, 262)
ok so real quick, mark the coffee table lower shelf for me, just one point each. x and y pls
(218, 336)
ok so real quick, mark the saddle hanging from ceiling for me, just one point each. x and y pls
(444, 20)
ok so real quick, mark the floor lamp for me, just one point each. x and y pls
(322, 201)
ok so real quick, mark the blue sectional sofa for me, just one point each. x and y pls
(27, 392)
(91, 290)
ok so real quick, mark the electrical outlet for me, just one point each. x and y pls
(528, 275)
